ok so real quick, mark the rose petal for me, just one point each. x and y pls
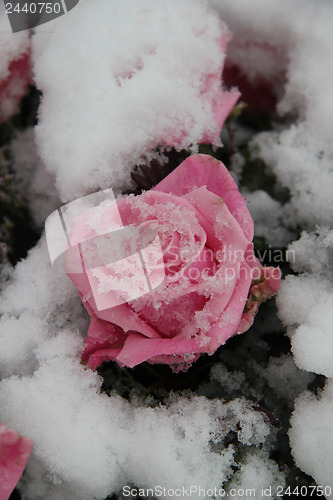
(226, 326)
(14, 87)
(222, 107)
(101, 336)
(138, 348)
(14, 454)
(203, 170)
(123, 316)
(227, 238)
(177, 314)
(221, 226)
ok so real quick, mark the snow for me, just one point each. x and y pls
(302, 162)
(305, 301)
(258, 474)
(35, 288)
(284, 377)
(299, 154)
(295, 298)
(136, 75)
(268, 221)
(311, 435)
(312, 342)
(86, 443)
(290, 45)
(231, 381)
(19, 338)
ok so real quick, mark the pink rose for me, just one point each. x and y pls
(14, 454)
(213, 96)
(205, 235)
(260, 76)
(15, 85)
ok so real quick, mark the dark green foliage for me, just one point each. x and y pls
(17, 234)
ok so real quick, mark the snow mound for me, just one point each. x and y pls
(123, 78)
(311, 436)
(87, 444)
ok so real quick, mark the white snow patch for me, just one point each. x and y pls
(87, 444)
(119, 80)
(258, 477)
(267, 214)
(311, 435)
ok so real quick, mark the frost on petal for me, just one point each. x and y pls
(15, 68)
(203, 170)
(205, 236)
(14, 454)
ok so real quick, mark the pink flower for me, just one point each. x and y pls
(14, 454)
(14, 86)
(205, 232)
(221, 102)
(258, 70)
